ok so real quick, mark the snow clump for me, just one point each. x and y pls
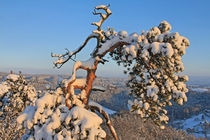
(50, 118)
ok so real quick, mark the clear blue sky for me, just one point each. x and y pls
(31, 29)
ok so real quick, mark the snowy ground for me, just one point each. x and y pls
(109, 111)
(196, 124)
(115, 86)
(199, 89)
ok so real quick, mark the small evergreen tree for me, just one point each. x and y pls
(15, 95)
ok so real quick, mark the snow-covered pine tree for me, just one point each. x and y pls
(152, 60)
(50, 119)
(15, 95)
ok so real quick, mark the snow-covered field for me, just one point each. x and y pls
(199, 89)
(197, 125)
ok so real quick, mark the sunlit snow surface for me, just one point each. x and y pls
(13, 77)
(108, 111)
(3, 88)
(199, 89)
(195, 124)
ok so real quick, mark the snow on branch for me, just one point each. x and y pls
(153, 60)
(103, 16)
(63, 58)
(50, 119)
(98, 88)
(98, 34)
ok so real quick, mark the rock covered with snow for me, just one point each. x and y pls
(50, 118)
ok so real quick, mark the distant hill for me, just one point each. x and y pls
(203, 81)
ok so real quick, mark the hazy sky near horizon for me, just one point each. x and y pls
(31, 29)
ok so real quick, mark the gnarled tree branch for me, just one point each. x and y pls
(98, 34)
(91, 68)
(103, 16)
(63, 58)
(106, 116)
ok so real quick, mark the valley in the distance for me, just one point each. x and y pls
(193, 116)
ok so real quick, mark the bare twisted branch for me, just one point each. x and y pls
(98, 34)
(63, 58)
(103, 16)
